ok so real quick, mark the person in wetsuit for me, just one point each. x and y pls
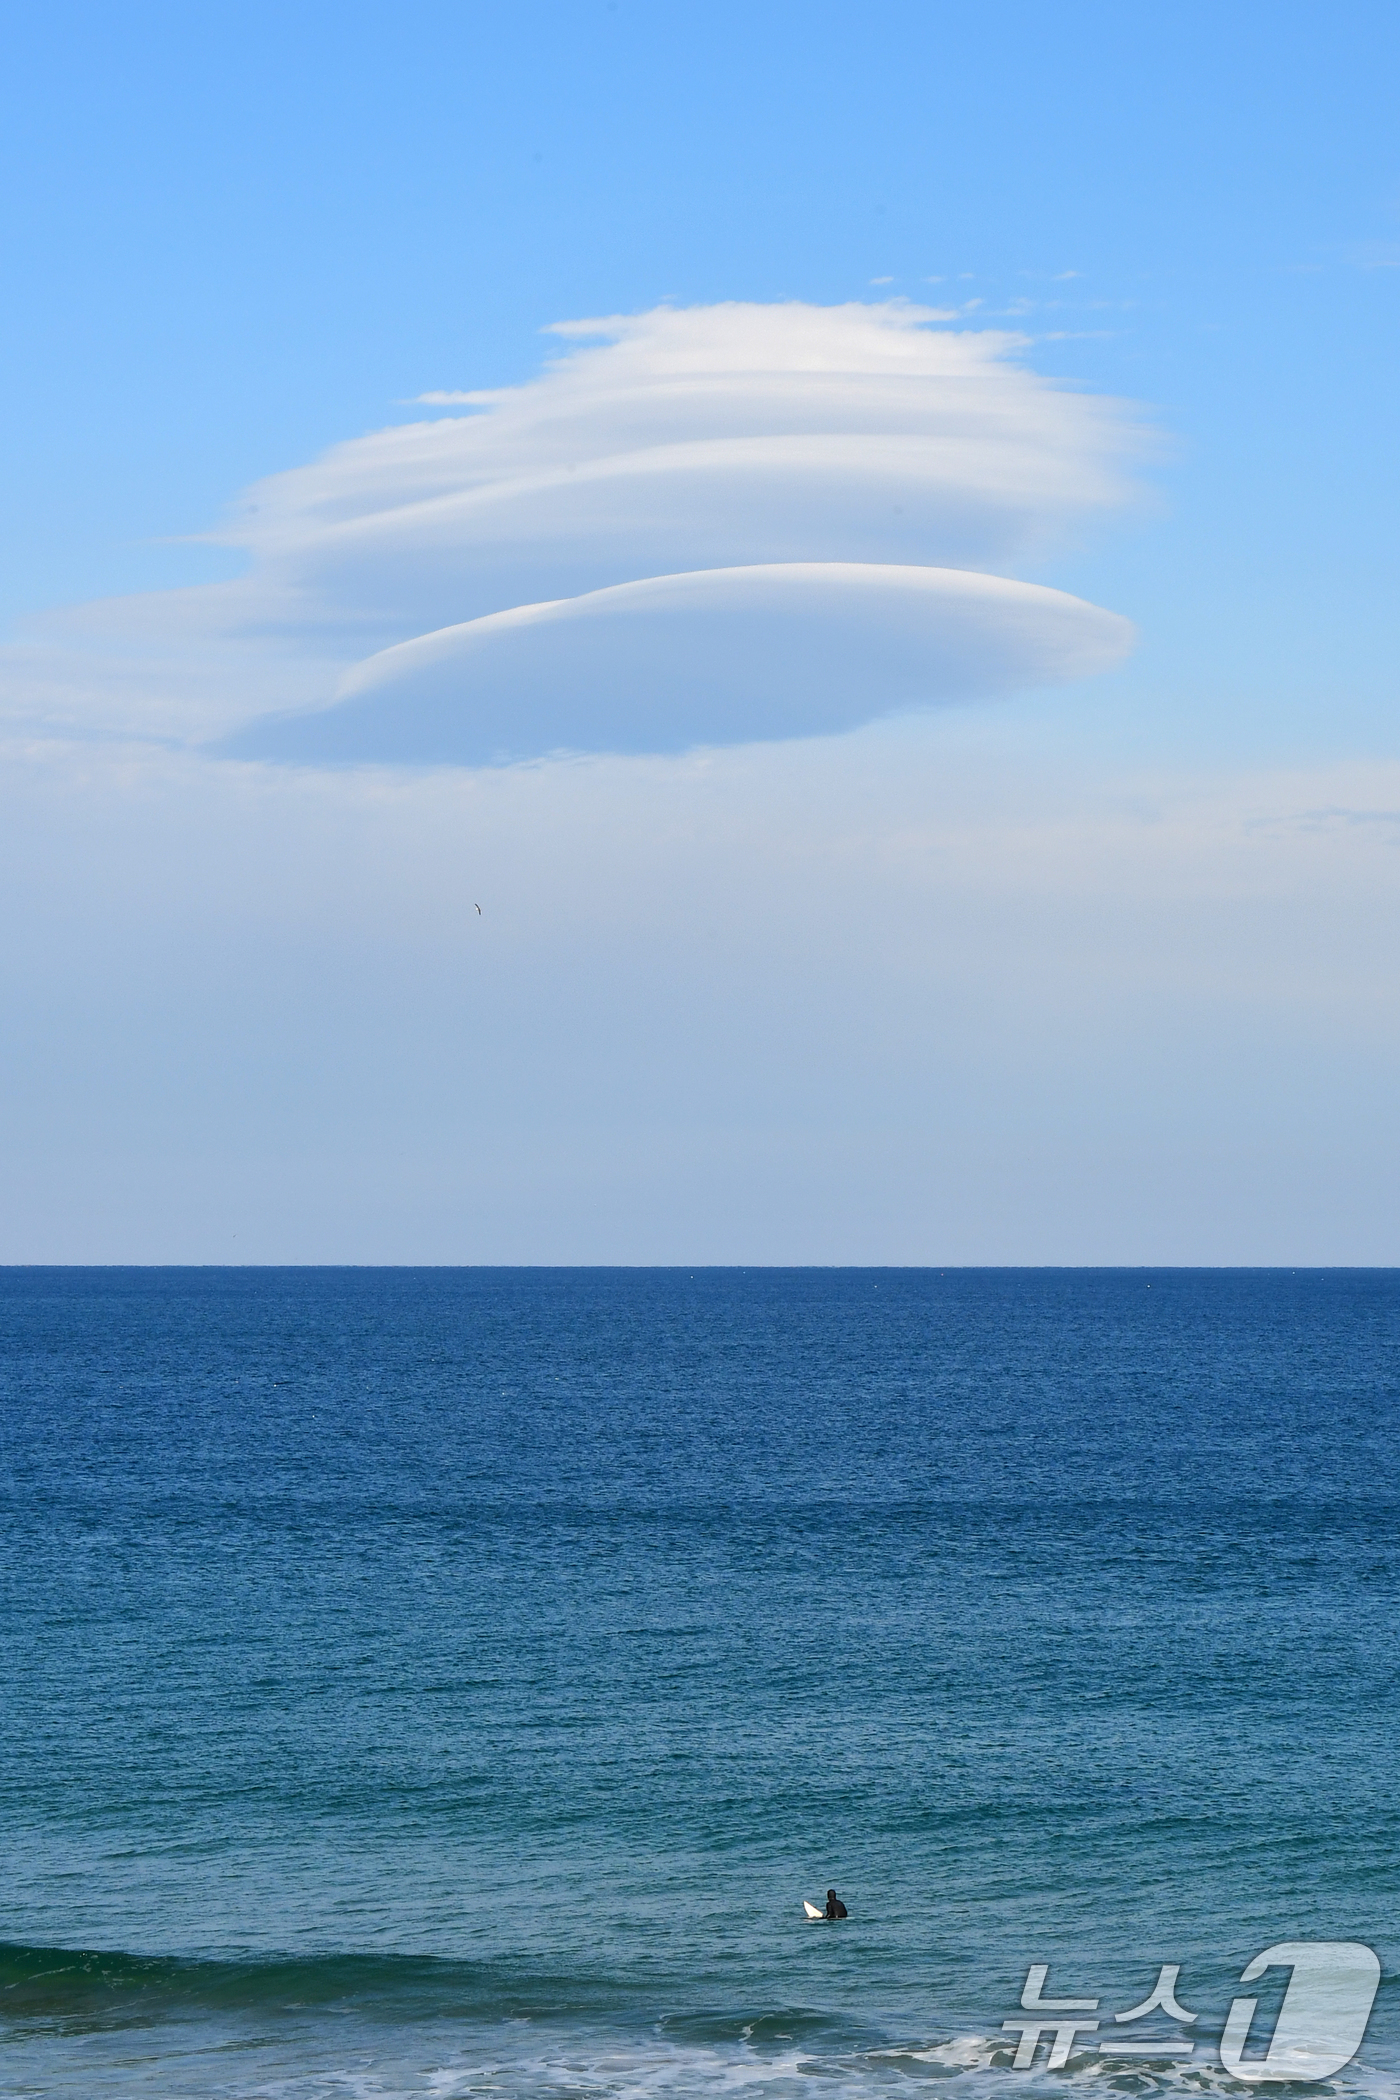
(835, 1908)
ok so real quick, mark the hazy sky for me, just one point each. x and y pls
(864, 540)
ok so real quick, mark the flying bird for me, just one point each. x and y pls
(478, 911)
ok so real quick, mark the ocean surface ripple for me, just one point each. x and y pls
(450, 1682)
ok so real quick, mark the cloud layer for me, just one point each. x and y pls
(936, 993)
(700, 526)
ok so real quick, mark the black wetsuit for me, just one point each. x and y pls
(835, 1908)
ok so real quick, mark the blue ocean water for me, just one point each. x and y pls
(452, 1681)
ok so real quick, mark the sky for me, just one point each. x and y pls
(700, 634)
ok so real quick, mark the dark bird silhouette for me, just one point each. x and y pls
(478, 911)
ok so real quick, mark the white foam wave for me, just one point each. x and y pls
(974, 2066)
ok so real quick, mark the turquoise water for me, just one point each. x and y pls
(452, 1681)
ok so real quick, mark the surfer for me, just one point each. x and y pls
(835, 1908)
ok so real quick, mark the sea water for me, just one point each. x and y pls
(451, 1682)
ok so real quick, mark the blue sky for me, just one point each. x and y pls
(238, 237)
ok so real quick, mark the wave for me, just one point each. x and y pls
(54, 1983)
(495, 2028)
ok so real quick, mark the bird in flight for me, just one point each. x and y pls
(478, 911)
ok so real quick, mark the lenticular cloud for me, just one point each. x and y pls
(777, 649)
(700, 526)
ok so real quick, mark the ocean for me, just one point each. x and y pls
(451, 1682)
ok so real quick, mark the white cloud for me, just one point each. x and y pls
(713, 656)
(667, 445)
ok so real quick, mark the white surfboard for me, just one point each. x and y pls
(811, 1909)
